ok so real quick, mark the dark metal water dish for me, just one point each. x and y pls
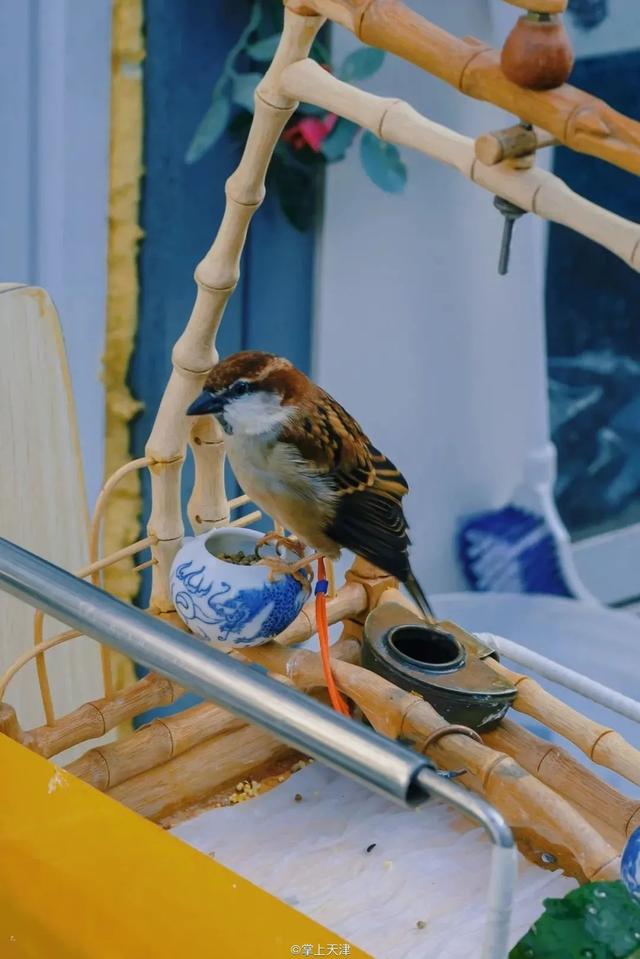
(441, 662)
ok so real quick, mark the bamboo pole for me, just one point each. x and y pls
(197, 773)
(107, 766)
(544, 823)
(575, 118)
(194, 354)
(601, 744)
(93, 719)
(531, 189)
(555, 767)
(349, 601)
(9, 725)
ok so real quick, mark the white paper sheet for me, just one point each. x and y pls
(428, 865)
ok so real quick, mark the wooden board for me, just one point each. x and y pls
(42, 494)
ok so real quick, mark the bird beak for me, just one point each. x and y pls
(205, 403)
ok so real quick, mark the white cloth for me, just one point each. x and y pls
(428, 865)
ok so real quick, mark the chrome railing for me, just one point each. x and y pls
(378, 763)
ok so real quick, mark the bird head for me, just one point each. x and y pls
(251, 392)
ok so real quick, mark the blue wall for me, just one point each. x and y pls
(182, 206)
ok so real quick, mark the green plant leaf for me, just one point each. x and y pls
(263, 50)
(310, 110)
(600, 920)
(336, 144)
(382, 163)
(210, 128)
(361, 64)
(320, 52)
(244, 86)
(296, 186)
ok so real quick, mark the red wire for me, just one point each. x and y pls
(337, 701)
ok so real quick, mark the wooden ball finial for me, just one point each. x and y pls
(537, 53)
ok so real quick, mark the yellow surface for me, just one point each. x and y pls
(122, 525)
(81, 877)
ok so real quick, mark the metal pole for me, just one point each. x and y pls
(359, 752)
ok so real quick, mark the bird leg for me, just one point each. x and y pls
(277, 565)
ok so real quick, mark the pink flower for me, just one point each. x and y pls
(310, 131)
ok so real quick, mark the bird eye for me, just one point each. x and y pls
(240, 388)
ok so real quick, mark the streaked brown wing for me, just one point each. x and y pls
(369, 518)
(333, 441)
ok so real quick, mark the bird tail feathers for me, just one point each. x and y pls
(417, 595)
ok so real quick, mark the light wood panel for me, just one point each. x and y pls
(42, 495)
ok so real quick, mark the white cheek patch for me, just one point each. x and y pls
(256, 413)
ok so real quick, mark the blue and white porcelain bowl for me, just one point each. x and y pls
(227, 603)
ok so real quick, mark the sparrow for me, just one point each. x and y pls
(307, 463)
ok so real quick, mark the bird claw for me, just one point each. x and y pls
(278, 567)
(280, 541)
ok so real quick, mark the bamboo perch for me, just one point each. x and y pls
(575, 118)
(92, 720)
(153, 745)
(194, 354)
(531, 189)
(194, 775)
(543, 822)
(601, 744)
(604, 746)
(556, 768)
(107, 766)
(349, 601)
(9, 725)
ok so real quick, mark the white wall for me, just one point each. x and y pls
(440, 359)
(54, 113)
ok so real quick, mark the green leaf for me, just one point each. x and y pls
(597, 921)
(210, 128)
(320, 52)
(382, 163)
(264, 50)
(336, 144)
(361, 64)
(297, 189)
(244, 87)
(310, 110)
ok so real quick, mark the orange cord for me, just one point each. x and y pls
(337, 701)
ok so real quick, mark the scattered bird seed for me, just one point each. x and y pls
(421, 924)
(372, 846)
(300, 765)
(388, 863)
(298, 797)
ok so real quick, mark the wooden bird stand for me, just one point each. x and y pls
(561, 812)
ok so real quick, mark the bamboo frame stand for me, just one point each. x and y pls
(562, 814)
